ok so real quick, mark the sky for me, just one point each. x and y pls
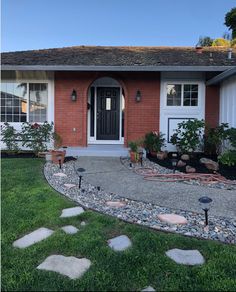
(39, 24)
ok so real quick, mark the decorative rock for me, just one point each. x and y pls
(185, 157)
(180, 163)
(70, 212)
(149, 288)
(186, 257)
(190, 169)
(210, 164)
(70, 229)
(71, 267)
(120, 243)
(161, 155)
(60, 174)
(172, 218)
(69, 186)
(115, 204)
(33, 237)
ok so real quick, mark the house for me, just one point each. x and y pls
(112, 95)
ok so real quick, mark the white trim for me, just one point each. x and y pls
(93, 140)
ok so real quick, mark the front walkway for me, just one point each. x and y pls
(113, 177)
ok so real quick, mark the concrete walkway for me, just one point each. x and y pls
(112, 176)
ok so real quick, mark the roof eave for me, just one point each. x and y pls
(222, 76)
(112, 68)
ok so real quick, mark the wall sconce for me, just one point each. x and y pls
(74, 95)
(138, 96)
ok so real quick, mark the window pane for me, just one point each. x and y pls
(12, 95)
(38, 99)
(173, 94)
(190, 95)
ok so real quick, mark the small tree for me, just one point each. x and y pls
(220, 42)
(230, 21)
(205, 41)
(10, 137)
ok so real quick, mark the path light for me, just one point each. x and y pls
(205, 205)
(80, 179)
(59, 158)
(174, 163)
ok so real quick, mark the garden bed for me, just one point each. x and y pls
(229, 172)
(19, 154)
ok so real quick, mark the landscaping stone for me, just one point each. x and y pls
(69, 186)
(181, 163)
(185, 157)
(60, 174)
(115, 204)
(70, 212)
(162, 155)
(190, 169)
(186, 257)
(70, 229)
(210, 164)
(172, 219)
(120, 243)
(149, 288)
(33, 237)
(71, 267)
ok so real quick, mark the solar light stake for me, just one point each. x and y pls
(130, 165)
(205, 204)
(59, 163)
(174, 164)
(206, 216)
(80, 179)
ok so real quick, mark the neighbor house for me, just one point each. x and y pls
(112, 95)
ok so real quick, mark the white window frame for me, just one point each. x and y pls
(182, 83)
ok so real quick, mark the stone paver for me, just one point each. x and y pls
(70, 229)
(115, 204)
(71, 267)
(69, 186)
(70, 212)
(120, 243)
(186, 257)
(33, 237)
(60, 174)
(147, 289)
(172, 218)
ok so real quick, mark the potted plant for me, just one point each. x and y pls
(56, 154)
(154, 141)
(134, 153)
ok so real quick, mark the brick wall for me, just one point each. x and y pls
(212, 105)
(139, 117)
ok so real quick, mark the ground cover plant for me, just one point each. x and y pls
(28, 203)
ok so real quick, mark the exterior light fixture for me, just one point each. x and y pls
(80, 180)
(59, 158)
(174, 164)
(138, 96)
(73, 95)
(205, 205)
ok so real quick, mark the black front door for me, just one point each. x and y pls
(108, 113)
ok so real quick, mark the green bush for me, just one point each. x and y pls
(228, 158)
(10, 137)
(188, 136)
(154, 141)
(133, 145)
(220, 42)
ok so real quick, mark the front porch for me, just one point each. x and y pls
(98, 150)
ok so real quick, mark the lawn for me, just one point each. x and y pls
(28, 203)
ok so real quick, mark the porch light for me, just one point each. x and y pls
(138, 96)
(73, 95)
(205, 205)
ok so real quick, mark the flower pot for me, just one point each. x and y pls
(134, 157)
(153, 153)
(56, 154)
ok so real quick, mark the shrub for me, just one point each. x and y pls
(10, 137)
(188, 136)
(228, 158)
(35, 136)
(231, 136)
(154, 141)
(220, 42)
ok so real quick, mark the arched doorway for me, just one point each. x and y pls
(106, 106)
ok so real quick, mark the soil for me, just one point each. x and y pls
(21, 154)
(228, 172)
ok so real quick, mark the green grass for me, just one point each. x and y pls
(29, 203)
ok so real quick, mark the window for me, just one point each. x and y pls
(182, 95)
(21, 102)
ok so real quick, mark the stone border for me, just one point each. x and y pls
(220, 228)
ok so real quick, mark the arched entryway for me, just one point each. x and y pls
(106, 106)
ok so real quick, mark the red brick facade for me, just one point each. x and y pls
(212, 105)
(71, 117)
(140, 117)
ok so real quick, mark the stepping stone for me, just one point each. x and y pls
(186, 257)
(172, 218)
(71, 267)
(60, 174)
(69, 186)
(33, 237)
(120, 243)
(70, 212)
(70, 229)
(115, 204)
(149, 288)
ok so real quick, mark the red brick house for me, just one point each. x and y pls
(112, 95)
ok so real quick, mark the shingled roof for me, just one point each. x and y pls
(121, 56)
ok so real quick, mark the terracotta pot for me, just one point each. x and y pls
(55, 154)
(153, 153)
(134, 157)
